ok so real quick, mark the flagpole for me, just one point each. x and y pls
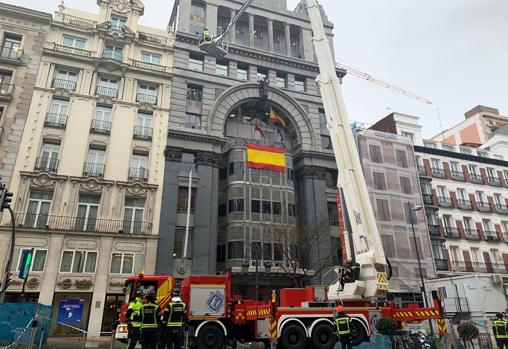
(187, 224)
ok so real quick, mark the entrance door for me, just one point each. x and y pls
(112, 308)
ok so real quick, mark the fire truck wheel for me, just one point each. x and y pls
(358, 333)
(323, 336)
(211, 337)
(293, 337)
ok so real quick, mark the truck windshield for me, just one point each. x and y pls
(145, 287)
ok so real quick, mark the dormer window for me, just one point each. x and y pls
(117, 23)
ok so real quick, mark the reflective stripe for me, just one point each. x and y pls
(501, 328)
(149, 315)
(175, 324)
(342, 324)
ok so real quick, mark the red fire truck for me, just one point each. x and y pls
(294, 318)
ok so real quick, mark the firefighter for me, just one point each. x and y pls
(206, 34)
(500, 328)
(351, 272)
(133, 317)
(175, 318)
(149, 322)
(343, 327)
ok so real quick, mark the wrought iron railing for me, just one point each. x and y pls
(452, 232)
(43, 163)
(471, 234)
(458, 175)
(421, 170)
(143, 132)
(93, 169)
(494, 181)
(491, 235)
(434, 230)
(428, 199)
(464, 204)
(65, 84)
(146, 98)
(441, 264)
(55, 120)
(11, 53)
(501, 209)
(444, 201)
(483, 206)
(479, 267)
(6, 89)
(100, 126)
(476, 178)
(438, 172)
(138, 174)
(90, 224)
(112, 54)
(106, 91)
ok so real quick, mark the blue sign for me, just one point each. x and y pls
(70, 311)
(215, 301)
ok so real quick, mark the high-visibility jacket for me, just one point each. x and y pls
(135, 315)
(500, 328)
(343, 325)
(176, 314)
(149, 315)
(206, 33)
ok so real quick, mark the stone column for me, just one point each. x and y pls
(99, 290)
(251, 29)
(211, 18)
(270, 34)
(307, 48)
(288, 39)
(232, 31)
(48, 281)
(166, 237)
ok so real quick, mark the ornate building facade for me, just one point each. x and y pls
(88, 177)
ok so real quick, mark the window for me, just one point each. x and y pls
(498, 200)
(133, 216)
(333, 215)
(74, 42)
(221, 253)
(107, 87)
(221, 68)
(95, 163)
(410, 135)
(383, 210)
(454, 165)
(151, 58)
(197, 18)
(466, 151)
(38, 261)
(194, 93)
(242, 72)
(505, 226)
(78, 262)
(222, 210)
(322, 118)
(291, 210)
(480, 197)
(262, 73)
(487, 225)
(235, 205)
(196, 62)
(255, 206)
(117, 23)
(276, 208)
(447, 147)
(290, 174)
(375, 153)
(147, 94)
(430, 145)
(435, 163)
(379, 180)
(139, 167)
(473, 169)
(405, 184)
(278, 252)
(267, 252)
(326, 142)
(112, 52)
(48, 159)
(122, 263)
(39, 204)
(266, 207)
(183, 200)
(143, 126)
(401, 158)
(255, 250)
(65, 79)
(461, 194)
(441, 191)
(410, 214)
(388, 245)
(235, 250)
(236, 168)
(101, 123)
(447, 221)
(193, 121)
(59, 107)
(11, 47)
(468, 223)
(179, 244)
(281, 80)
(88, 209)
(300, 84)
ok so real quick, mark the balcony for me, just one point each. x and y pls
(93, 169)
(64, 84)
(6, 90)
(46, 164)
(156, 39)
(100, 126)
(455, 305)
(452, 233)
(464, 204)
(428, 199)
(146, 98)
(476, 178)
(458, 176)
(72, 50)
(421, 169)
(149, 66)
(63, 223)
(441, 264)
(111, 92)
(501, 209)
(471, 234)
(444, 201)
(494, 181)
(491, 235)
(138, 174)
(112, 54)
(78, 22)
(12, 54)
(143, 132)
(55, 120)
(483, 206)
(438, 172)
(477, 267)
(434, 230)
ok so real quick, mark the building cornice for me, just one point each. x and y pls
(312, 154)
(196, 137)
(18, 11)
(460, 156)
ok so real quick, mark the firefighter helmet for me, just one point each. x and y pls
(499, 315)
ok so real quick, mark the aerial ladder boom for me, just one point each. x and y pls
(366, 239)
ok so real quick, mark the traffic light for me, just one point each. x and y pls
(6, 199)
(26, 263)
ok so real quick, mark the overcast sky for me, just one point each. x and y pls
(454, 52)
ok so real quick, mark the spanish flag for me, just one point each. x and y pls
(263, 157)
(276, 119)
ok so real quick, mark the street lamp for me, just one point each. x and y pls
(412, 209)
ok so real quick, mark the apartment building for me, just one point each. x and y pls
(465, 191)
(390, 171)
(22, 36)
(237, 214)
(479, 123)
(89, 174)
